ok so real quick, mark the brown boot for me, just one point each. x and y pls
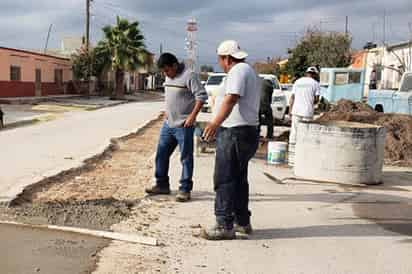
(156, 190)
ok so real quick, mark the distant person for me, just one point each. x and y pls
(185, 96)
(1, 118)
(265, 109)
(305, 94)
(235, 125)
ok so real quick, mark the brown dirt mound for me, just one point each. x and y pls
(398, 147)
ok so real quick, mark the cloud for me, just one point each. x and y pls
(263, 27)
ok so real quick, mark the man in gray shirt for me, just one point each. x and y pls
(236, 125)
(185, 97)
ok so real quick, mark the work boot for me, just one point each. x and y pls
(183, 197)
(245, 230)
(218, 233)
(156, 190)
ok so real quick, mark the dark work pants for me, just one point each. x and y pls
(234, 148)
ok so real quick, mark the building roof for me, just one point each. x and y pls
(400, 45)
(35, 53)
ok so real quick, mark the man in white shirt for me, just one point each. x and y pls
(305, 95)
(236, 124)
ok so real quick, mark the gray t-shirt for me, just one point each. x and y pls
(181, 94)
(241, 80)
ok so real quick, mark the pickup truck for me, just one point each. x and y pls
(393, 101)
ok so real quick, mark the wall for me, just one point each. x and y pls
(390, 78)
(29, 62)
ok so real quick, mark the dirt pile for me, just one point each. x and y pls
(398, 147)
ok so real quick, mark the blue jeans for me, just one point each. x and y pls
(234, 148)
(170, 138)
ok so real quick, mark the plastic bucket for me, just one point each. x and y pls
(277, 153)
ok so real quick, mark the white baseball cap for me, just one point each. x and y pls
(313, 70)
(231, 48)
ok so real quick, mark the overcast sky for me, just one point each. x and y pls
(262, 27)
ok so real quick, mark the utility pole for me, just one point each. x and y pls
(87, 25)
(410, 45)
(47, 39)
(89, 69)
(384, 27)
(347, 25)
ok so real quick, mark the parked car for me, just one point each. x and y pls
(288, 91)
(280, 98)
(279, 105)
(273, 79)
(393, 101)
(286, 87)
(213, 82)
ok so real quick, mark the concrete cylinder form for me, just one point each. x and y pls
(340, 152)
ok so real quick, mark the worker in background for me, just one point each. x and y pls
(265, 109)
(1, 119)
(305, 94)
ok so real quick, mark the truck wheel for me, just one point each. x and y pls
(379, 108)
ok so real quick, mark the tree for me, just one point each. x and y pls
(323, 49)
(80, 63)
(268, 67)
(124, 44)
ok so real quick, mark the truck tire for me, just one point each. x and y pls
(379, 108)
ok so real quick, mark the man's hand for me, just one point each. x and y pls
(209, 133)
(190, 121)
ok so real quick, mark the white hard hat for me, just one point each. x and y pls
(231, 48)
(313, 70)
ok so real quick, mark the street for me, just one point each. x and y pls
(300, 227)
(32, 153)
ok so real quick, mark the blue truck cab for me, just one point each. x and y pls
(393, 101)
(342, 83)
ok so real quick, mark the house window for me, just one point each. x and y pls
(341, 78)
(15, 73)
(58, 77)
(355, 77)
(131, 80)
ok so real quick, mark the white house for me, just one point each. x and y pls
(388, 62)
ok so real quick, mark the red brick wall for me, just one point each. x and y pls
(16, 89)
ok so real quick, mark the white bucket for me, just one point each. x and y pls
(277, 153)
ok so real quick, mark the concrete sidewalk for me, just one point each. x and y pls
(299, 227)
(30, 154)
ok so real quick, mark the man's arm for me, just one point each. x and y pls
(201, 96)
(190, 121)
(228, 103)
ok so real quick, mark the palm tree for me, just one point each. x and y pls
(124, 44)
